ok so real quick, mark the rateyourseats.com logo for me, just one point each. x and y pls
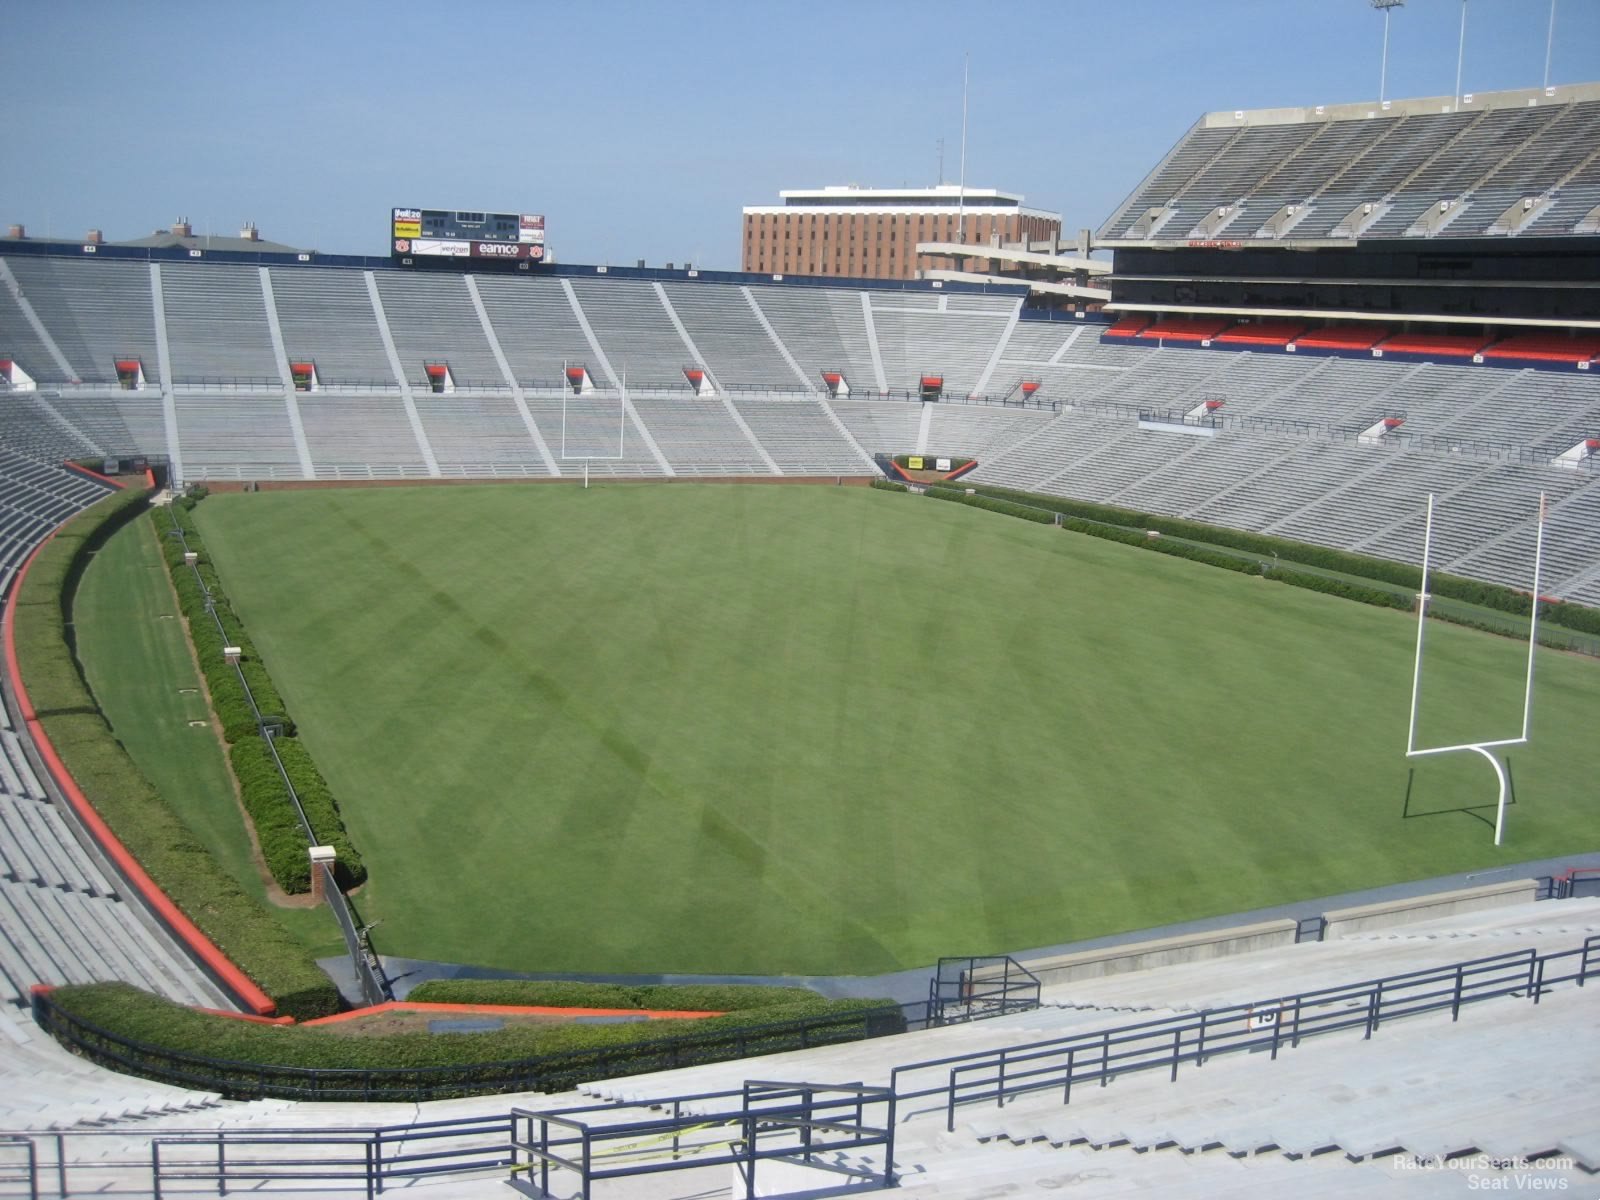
(1488, 1173)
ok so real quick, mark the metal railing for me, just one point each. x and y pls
(1166, 1043)
(763, 1121)
(770, 1120)
(969, 989)
(24, 1171)
(373, 1158)
(374, 987)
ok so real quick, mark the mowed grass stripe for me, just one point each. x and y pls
(816, 730)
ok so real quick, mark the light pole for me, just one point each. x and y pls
(1549, 41)
(1461, 53)
(1386, 7)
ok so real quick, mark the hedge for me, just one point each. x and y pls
(889, 485)
(266, 799)
(153, 1037)
(1471, 591)
(992, 505)
(113, 783)
(562, 993)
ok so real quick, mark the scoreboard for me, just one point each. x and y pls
(447, 233)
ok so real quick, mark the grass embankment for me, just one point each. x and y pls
(808, 730)
(134, 811)
(138, 663)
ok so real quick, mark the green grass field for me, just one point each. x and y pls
(832, 730)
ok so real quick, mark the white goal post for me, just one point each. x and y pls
(1485, 748)
(622, 426)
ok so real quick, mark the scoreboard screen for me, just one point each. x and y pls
(448, 233)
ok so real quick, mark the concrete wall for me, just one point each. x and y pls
(1160, 952)
(1427, 908)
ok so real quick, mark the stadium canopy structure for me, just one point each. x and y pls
(1482, 211)
(1054, 270)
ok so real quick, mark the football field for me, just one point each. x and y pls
(770, 729)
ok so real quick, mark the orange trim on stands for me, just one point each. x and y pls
(239, 1016)
(150, 479)
(510, 1010)
(72, 466)
(202, 947)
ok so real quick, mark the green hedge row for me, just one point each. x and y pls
(562, 993)
(1181, 549)
(266, 799)
(153, 1037)
(152, 832)
(889, 485)
(1024, 511)
(1472, 591)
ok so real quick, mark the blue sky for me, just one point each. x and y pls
(640, 129)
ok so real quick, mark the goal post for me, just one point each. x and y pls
(592, 426)
(1486, 747)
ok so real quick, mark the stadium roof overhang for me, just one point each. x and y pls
(1046, 287)
(1067, 264)
(1344, 314)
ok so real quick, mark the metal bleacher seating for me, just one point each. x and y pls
(881, 427)
(327, 319)
(1191, 154)
(918, 335)
(1480, 159)
(479, 436)
(432, 319)
(824, 330)
(699, 436)
(727, 332)
(97, 312)
(237, 435)
(634, 330)
(800, 438)
(216, 325)
(360, 436)
(537, 329)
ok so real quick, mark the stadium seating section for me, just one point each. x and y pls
(1285, 458)
(1526, 168)
(190, 363)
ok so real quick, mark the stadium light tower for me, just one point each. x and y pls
(1549, 42)
(1386, 7)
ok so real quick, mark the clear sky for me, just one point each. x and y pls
(641, 128)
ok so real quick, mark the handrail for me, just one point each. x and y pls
(1089, 1057)
(723, 1128)
(1169, 1041)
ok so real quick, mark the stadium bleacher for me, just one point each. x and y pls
(1404, 159)
(358, 425)
(1281, 452)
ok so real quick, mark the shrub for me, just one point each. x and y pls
(1260, 546)
(1009, 508)
(144, 1034)
(266, 799)
(889, 485)
(561, 993)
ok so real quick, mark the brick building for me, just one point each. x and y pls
(874, 232)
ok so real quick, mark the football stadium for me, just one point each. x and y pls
(475, 722)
